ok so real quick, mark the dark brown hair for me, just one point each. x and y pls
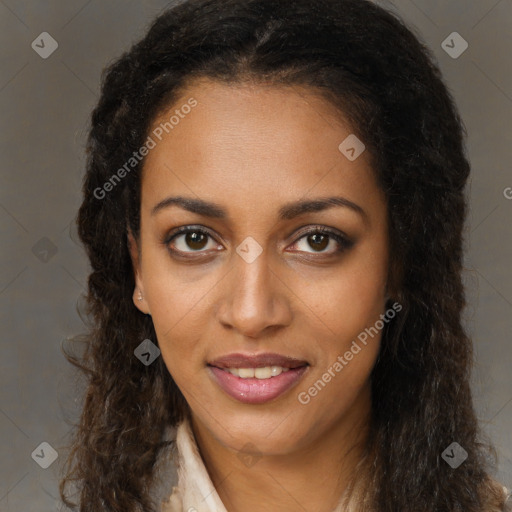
(370, 66)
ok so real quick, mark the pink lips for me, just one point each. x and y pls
(256, 391)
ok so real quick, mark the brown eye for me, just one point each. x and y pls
(320, 239)
(195, 240)
(189, 240)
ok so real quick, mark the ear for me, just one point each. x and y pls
(138, 292)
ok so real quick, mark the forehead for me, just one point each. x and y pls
(254, 141)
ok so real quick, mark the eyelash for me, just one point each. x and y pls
(343, 242)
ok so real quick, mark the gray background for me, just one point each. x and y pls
(45, 105)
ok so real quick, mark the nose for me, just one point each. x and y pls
(254, 299)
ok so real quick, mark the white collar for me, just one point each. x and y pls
(195, 491)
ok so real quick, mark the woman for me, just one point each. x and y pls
(273, 211)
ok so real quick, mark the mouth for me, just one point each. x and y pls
(257, 379)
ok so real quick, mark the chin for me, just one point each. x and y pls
(270, 435)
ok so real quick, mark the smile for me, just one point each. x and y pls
(266, 372)
(256, 385)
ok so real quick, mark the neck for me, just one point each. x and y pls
(313, 478)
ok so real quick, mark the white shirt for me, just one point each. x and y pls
(195, 491)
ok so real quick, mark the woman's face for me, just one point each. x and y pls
(263, 279)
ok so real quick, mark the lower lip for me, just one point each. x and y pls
(257, 391)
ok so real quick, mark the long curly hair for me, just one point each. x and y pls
(373, 69)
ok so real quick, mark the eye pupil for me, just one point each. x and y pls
(318, 241)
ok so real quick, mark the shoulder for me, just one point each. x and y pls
(164, 490)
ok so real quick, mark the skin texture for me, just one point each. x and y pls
(251, 149)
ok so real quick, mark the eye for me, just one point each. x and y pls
(320, 238)
(189, 237)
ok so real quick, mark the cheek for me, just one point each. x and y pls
(354, 297)
(177, 305)
(349, 305)
(347, 347)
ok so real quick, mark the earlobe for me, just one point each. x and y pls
(140, 302)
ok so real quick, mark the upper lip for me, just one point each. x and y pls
(257, 361)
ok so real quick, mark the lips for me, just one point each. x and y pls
(238, 360)
(282, 373)
(254, 391)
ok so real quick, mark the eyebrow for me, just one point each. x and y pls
(287, 212)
